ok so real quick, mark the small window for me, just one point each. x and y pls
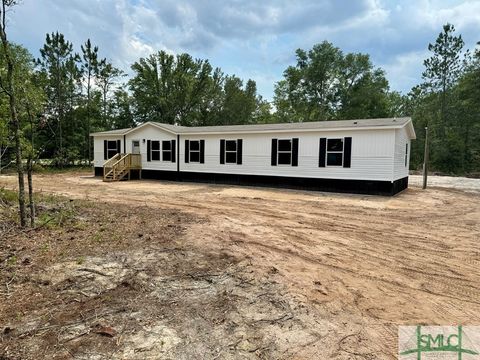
(231, 151)
(155, 150)
(406, 154)
(284, 152)
(195, 151)
(167, 150)
(334, 152)
(112, 149)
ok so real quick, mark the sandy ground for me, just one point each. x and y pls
(450, 182)
(348, 269)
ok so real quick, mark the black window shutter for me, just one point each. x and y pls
(187, 151)
(174, 150)
(149, 147)
(119, 144)
(239, 151)
(222, 151)
(295, 152)
(105, 150)
(274, 152)
(322, 152)
(202, 151)
(347, 152)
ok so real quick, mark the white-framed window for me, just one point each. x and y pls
(194, 151)
(155, 150)
(284, 152)
(112, 148)
(167, 150)
(231, 151)
(335, 152)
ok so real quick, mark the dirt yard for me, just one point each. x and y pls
(154, 270)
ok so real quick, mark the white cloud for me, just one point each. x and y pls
(252, 38)
(405, 70)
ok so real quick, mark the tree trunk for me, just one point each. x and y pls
(10, 91)
(31, 203)
(18, 159)
(466, 149)
(88, 115)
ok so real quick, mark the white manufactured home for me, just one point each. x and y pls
(360, 156)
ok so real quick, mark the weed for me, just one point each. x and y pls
(12, 260)
(45, 247)
(98, 238)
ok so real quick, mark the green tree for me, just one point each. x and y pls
(239, 103)
(89, 68)
(443, 69)
(327, 84)
(468, 110)
(61, 76)
(121, 110)
(170, 89)
(7, 85)
(108, 76)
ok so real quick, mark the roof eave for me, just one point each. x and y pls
(129, 131)
(411, 130)
(291, 130)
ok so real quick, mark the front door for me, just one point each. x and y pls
(135, 146)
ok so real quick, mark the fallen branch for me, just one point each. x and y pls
(93, 271)
(282, 318)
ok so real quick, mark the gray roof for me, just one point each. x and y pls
(113, 132)
(320, 125)
(290, 126)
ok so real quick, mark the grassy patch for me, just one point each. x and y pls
(51, 211)
(45, 169)
(8, 197)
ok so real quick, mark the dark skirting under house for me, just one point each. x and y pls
(371, 187)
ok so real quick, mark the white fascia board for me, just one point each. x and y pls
(106, 135)
(196, 133)
(129, 131)
(291, 130)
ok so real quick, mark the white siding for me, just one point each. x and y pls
(151, 132)
(98, 148)
(372, 155)
(148, 132)
(400, 170)
(372, 158)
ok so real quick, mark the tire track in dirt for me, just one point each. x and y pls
(365, 264)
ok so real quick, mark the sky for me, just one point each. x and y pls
(253, 39)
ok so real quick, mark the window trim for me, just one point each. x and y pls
(116, 149)
(170, 151)
(190, 151)
(231, 151)
(285, 152)
(159, 150)
(335, 152)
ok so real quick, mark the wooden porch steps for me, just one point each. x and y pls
(119, 167)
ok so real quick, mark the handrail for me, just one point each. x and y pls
(106, 164)
(121, 158)
(120, 163)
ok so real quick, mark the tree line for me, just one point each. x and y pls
(49, 105)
